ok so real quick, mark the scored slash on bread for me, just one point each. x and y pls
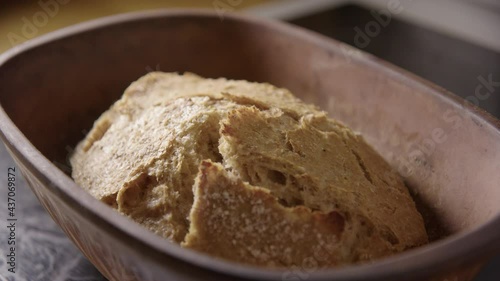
(244, 223)
(247, 172)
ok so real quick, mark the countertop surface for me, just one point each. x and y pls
(44, 252)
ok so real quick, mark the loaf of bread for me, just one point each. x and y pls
(245, 172)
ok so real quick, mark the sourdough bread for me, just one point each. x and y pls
(246, 172)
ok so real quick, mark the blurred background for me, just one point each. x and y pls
(453, 43)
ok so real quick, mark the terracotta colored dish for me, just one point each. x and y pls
(53, 88)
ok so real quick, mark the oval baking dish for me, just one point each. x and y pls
(52, 88)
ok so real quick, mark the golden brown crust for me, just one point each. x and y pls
(320, 186)
(233, 220)
(321, 165)
(145, 166)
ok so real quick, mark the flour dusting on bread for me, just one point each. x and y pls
(246, 172)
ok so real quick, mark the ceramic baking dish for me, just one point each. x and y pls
(52, 88)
